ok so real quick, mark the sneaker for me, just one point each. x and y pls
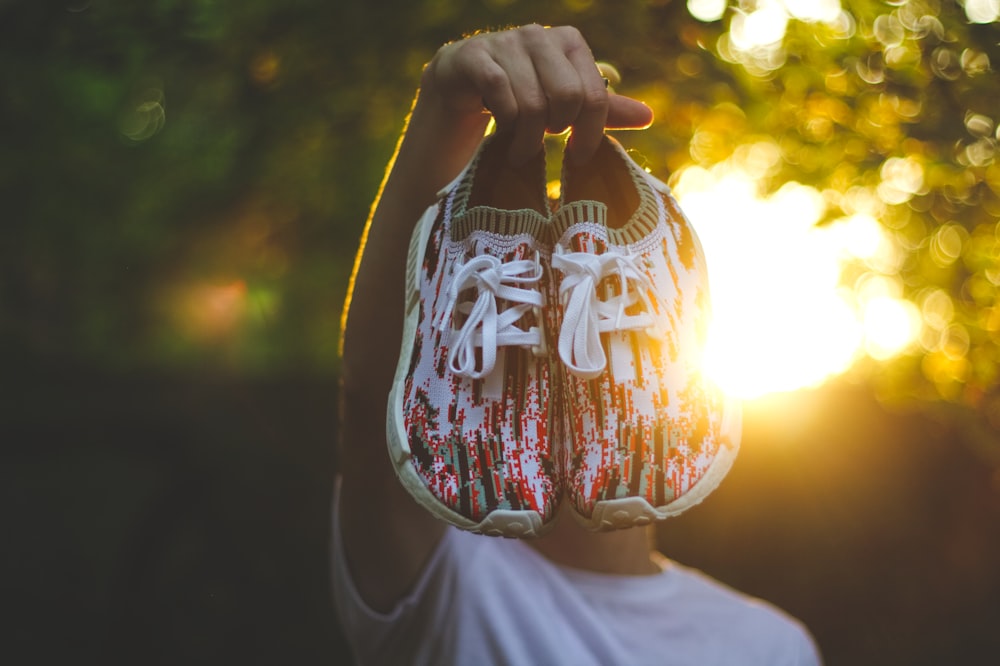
(649, 435)
(469, 407)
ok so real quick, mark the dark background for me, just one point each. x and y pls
(159, 520)
(183, 186)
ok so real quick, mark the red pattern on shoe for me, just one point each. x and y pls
(469, 411)
(648, 435)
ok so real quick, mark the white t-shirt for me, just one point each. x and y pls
(487, 600)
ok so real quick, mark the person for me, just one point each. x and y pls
(408, 587)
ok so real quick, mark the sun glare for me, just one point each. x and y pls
(783, 317)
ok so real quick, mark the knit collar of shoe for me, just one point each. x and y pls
(478, 195)
(611, 164)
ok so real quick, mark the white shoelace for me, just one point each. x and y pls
(586, 316)
(485, 327)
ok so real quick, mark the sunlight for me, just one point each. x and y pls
(862, 235)
(783, 318)
(827, 11)
(982, 11)
(757, 28)
(890, 325)
(765, 25)
(768, 18)
(767, 22)
(707, 10)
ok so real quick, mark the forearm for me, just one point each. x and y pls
(435, 146)
(387, 535)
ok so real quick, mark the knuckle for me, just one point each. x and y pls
(531, 30)
(493, 77)
(571, 37)
(506, 38)
(566, 95)
(595, 98)
(468, 45)
(464, 53)
(571, 32)
(533, 105)
(489, 42)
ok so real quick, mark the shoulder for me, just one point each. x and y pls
(466, 603)
(457, 559)
(756, 629)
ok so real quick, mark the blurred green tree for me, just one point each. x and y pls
(184, 181)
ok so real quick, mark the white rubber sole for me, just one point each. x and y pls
(502, 522)
(627, 512)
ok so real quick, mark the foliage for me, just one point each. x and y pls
(185, 180)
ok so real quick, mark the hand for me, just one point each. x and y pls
(533, 80)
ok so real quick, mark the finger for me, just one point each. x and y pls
(491, 83)
(561, 83)
(531, 113)
(627, 113)
(588, 128)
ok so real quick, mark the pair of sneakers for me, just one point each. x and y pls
(555, 356)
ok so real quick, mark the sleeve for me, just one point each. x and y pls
(405, 633)
(808, 652)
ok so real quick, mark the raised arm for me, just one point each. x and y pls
(533, 80)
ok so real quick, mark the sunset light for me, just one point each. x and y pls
(783, 316)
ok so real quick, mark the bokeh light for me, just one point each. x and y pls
(707, 10)
(982, 11)
(209, 311)
(145, 116)
(783, 316)
(890, 325)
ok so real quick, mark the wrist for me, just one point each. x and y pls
(437, 142)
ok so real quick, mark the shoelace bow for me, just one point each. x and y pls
(586, 316)
(485, 326)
